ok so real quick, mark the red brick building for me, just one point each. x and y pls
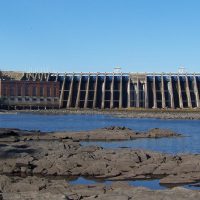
(19, 93)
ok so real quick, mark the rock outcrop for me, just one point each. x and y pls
(103, 134)
(43, 188)
(44, 155)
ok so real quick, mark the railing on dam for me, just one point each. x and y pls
(124, 90)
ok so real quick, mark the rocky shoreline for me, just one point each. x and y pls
(43, 188)
(191, 114)
(38, 156)
(112, 133)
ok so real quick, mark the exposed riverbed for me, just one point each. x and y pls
(137, 166)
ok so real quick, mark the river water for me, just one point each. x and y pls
(69, 122)
(189, 128)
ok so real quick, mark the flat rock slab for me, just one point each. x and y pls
(104, 134)
(59, 156)
(42, 188)
(120, 133)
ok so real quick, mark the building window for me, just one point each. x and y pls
(4, 91)
(26, 90)
(41, 91)
(34, 91)
(19, 91)
(12, 89)
(54, 92)
(48, 91)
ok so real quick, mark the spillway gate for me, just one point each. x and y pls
(123, 90)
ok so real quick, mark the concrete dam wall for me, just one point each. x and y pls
(110, 90)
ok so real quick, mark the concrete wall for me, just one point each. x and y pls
(123, 90)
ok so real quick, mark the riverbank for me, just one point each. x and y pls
(191, 114)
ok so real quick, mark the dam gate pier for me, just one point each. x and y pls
(99, 90)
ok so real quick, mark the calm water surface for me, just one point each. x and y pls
(189, 128)
(151, 184)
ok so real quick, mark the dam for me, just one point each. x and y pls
(22, 90)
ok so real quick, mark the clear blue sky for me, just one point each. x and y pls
(97, 35)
